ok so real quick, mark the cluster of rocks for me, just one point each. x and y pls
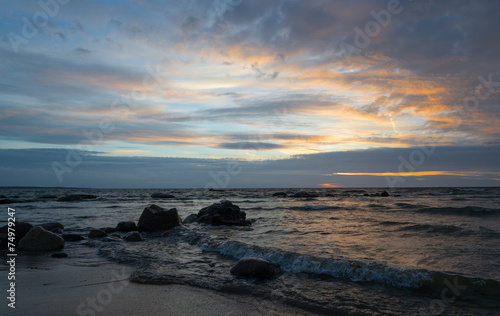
(51, 236)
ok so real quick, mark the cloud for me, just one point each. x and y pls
(250, 145)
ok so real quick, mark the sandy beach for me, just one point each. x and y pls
(94, 286)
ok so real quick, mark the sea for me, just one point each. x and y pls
(419, 251)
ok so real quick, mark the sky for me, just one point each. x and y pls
(249, 93)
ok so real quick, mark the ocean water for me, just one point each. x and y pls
(420, 251)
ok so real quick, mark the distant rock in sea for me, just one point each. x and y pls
(47, 196)
(223, 213)
(304, 194)
(39, 239)
(384, 193)
(280, 194)
(253, 267)
(59, 255)
(156, 218)
(76, 197)
(159, 195)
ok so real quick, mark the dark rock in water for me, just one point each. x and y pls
(366, 194)
(384, 193)
(8, 201)
(159, 195)
(52, 226)
(376, 194)
(304, 194)
(57, 231)
(223, 213)
(116, 236)
(59, 255)
(3, 197)
(72, 237)
(76, 197)
(133, 237)
(21, 229)
(47, 196)
(109, 230)
(96, 233)
(126, 227)
(155, 218)
(39, 239)
(282, 194)
(253, 267)
(190, 219)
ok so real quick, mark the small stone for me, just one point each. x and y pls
(72, 237)
(126, 226)
(253, 267)
(96, 233)
(133, 237)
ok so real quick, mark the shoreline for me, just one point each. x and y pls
(95, 286)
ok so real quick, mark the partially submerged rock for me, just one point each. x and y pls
(97, 233)
(39, 239)
(190, 219)
(155, 218)
(59, 255)
(76, 197)
(223, 213)
(133, 237)
(159, 195)
(126, 226)
(280, 194)
(253, 267)
(384, 193)
(304, 194)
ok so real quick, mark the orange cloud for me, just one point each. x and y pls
(412, 174)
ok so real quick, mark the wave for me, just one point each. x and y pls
(314, 208)
(357, 271)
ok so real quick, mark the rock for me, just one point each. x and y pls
(52, 226)
(59, 255)
(8, 201)
(126, 227)
(384, 193)
(21, 229)
(47, 196)
(223, 213)
(155, 218)
(190, 219)
(133, 237)
(366, 194)
(109, 230)
(39, 239)
(304, 194)
(57, 231)
(376, 194)
(96, 233)
(280, 194)
(72, 237)
(116, 236)
(253, 267)
(76, 197)
(3, 197)
(159, 195)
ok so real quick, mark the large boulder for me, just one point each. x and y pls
(384, 193)
(126, 227)
(39, 239)
(76, 197)
(159, 195)
(21, 229)
(155, 218)
(223, 213)
(253, 267)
